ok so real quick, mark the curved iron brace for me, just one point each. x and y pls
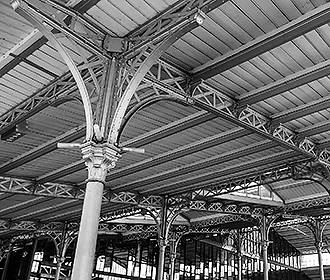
(144, 104)
(320, 169)
(152, 214)
(138, 77)
(23, 10)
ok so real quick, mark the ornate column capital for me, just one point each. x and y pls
(162, 242)
(99, 158)
(264, 244)
(319, 245)
(60, 260)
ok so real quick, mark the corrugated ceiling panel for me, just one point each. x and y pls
(121, 17)
(297, 191)
(13, 27)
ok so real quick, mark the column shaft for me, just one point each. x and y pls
(161, 261)
(319, 253)
(239, 262)
(85, 251)
(58, 270)
(265, 260)
(172, 268)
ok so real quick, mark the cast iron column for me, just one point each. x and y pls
(98, 158)
(317, 227)
(239, 262)
(264, 245)
(319, 246)
(173, 246)
(162, 242)
(59, 262)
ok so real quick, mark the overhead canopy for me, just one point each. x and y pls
(257, 106)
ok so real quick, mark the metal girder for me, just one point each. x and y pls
(59, 226)
(213, 101)
(22, 186)
(9, 185)
(306, 204)
(289, 82)
(198, 165)
(303, 170)
(225, 219)
(224, 208)
(286, 33)
(121, 213)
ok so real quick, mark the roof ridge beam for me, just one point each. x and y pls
(262, 44)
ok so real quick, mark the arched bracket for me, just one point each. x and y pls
(25, 11)
(148, 60)
(144, 104)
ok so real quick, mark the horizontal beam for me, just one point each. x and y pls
(273, 39)
(302, 110)
(285, 84)
(315, 129)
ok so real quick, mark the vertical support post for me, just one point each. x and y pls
(319, 247)
(173, 247)
(35, 243)
(98, 158)
(162, 242)
(238, 245)
(59, 262)
(60, 258)
(239, 263)
(317, 228)
(264, 245)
